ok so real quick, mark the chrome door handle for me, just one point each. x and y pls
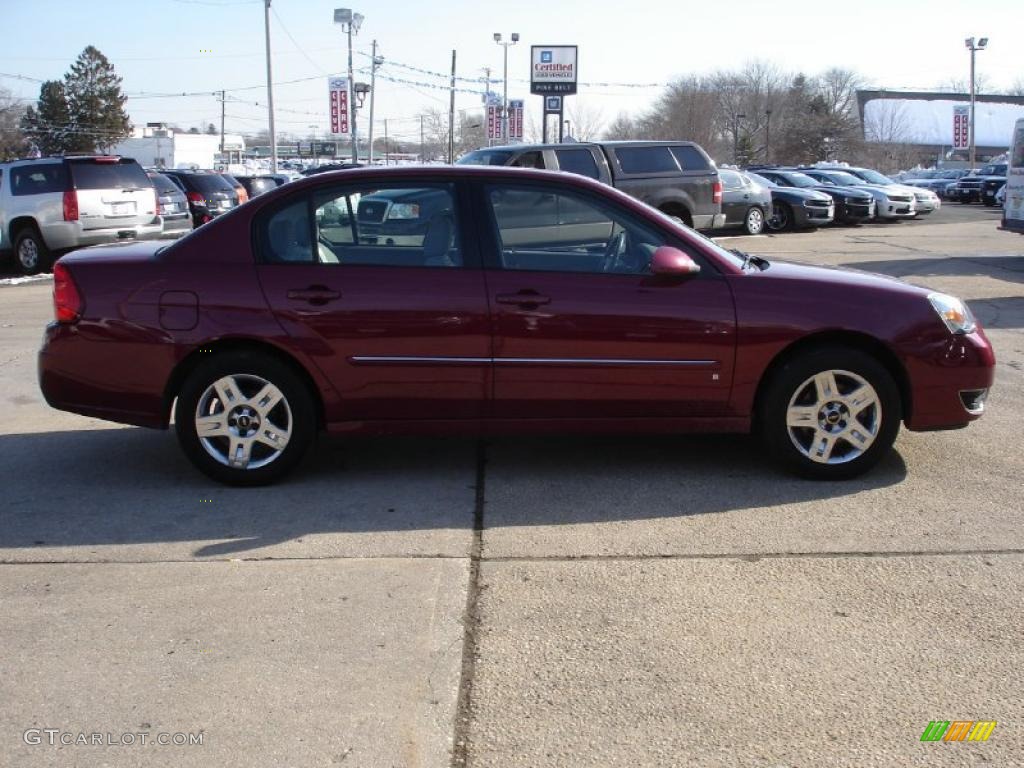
(527, 299)
(314, 294)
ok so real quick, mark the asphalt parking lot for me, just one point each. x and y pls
(669, 601)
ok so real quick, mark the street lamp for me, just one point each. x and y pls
(767, 135)
(504, 99)
(980, 46)
(350, 24)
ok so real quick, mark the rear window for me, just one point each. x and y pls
(579, 161)
(646, 160)
(486, 157)
(120, 174)
(209, 182)
(690, 158)
(38, 179)
(163, 184)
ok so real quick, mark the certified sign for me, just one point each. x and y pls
(553, 69)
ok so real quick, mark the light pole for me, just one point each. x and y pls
(350, 23)
(504, 99)
(767, 135)
(270, 93)
(313, 149)
(375, 62)
(980, 46)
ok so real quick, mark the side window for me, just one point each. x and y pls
(286, 236)
(566, 232)
(690, 158)
(579, 161)
(533, 159)
(393, 226)
(646, 160)
(38, 179)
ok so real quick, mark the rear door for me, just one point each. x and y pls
(735, 197)
(381, 285)
(112, 192)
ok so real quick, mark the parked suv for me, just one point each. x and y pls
(209, 194)
(982, 186)
(172, 206)
(676, 177)
(51, 205)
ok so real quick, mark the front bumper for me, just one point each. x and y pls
(926, 205)
(894, 209)
(855, 213)
(945, 382)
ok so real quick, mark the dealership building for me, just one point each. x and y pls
(155, 145)
(925, 120)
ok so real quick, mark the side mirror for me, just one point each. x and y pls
(671, 261)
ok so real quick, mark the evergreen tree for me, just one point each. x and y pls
(47, 124)
(96, 104)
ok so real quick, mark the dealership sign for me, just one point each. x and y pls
(961, 127)
(553, 69)
(515, 119)
(338, 87)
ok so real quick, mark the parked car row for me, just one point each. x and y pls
(52, 205)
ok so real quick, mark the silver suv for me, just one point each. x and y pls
(51, 205)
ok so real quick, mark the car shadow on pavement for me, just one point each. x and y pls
(127, 486)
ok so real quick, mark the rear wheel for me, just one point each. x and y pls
(244, 418)
(30, 252)
(831, 413)
(753, 224)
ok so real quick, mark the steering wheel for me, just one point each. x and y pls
(613, 252)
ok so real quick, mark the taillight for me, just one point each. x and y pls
(196, 197)
(70, 205)
(243, 196)
(716, 193)
(67, 302)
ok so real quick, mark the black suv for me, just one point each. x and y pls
(209, 193)
(982, 186)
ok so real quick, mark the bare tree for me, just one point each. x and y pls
(586, 121)
(12, 140)
(1017, 89)
(982, 84)
(623, 127)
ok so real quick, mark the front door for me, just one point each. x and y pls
(582, 329)
(381, 287)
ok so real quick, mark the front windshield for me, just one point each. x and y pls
(802, 180)
(761, 180)
(846, 179)
(875, 177)
(993, 170)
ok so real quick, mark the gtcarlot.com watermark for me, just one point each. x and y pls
(57, 737)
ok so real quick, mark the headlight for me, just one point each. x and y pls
(404, 211)
(954, 313)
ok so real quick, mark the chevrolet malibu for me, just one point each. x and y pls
(490, 300)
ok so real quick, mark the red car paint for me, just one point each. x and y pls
(498, 350)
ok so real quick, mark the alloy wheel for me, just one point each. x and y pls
(834, 417)
(243, 421)
(28, 254)
(755, 221)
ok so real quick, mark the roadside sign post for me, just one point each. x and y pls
(553, 74)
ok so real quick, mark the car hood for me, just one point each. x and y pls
(839, 276)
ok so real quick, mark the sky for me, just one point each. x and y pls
(167, 47)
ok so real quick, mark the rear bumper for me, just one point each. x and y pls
(939, 381)
(709, 221)
(176, 227)
(74, 370)
(65, 235)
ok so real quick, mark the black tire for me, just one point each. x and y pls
(753, 222)
(30, 252)
(249, 369)
(792, 447)
(781, 219)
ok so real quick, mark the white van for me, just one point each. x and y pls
(1013, 203)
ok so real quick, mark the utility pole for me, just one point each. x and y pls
(451, 117)
(270, 92)
(768, 136)
(422, 156)
(487, 99)
(222, 98)
(387, 156)
(375, 62)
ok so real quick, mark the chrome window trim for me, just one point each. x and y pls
(401, 359)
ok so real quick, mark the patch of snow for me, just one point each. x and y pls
(26, 279)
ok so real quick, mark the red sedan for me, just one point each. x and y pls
(490, 299)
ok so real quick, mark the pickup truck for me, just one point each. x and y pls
(676, 177)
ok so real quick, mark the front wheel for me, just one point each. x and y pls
(831, 413)
(754, 222)
(781, 218)
(244, 418)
